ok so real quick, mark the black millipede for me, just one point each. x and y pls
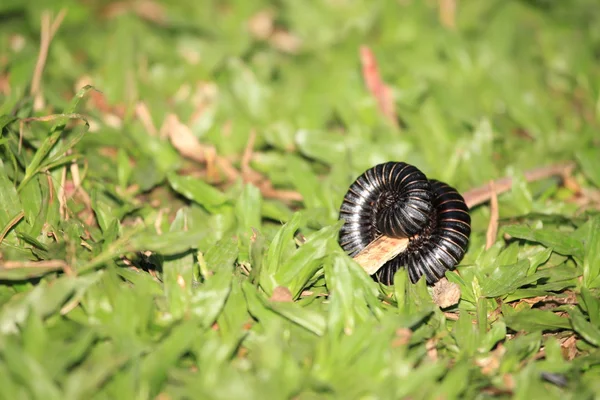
(396, 199)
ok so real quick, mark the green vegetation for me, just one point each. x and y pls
(170, 179)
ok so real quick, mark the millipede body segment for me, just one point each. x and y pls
(395, 199)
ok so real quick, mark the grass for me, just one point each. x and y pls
(170, 179)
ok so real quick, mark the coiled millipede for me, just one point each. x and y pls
(396, 200)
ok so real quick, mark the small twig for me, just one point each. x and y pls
(492, 230)
(49, 264)
(74, 168)
(384, 248)
(480, 195)
(62, 195)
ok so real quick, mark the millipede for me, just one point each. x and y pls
(397, 200)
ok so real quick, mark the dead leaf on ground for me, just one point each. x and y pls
(183, 139)
(490, 364)
(569, 347)
(281, 294)
(445, 293)
(261, 24)
(402, 338)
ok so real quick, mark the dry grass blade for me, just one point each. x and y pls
(378, 89)
(14, 221)
(447, 13)
(48, 30)
(492, 230)
(51, 265)
(143, 115)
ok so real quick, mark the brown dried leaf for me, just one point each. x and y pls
(490, 364)
(402, 338)
(569, 347)
(183, 139)
(261, 24)
(281, 294)
(285, 41)
(431, 347)
(445, 293)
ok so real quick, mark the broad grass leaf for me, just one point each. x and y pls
(279, 251)
(537, 259)
(124, 168)
(455, 382)
(103, 362)
(561, 242)
(325, 147)
(295, 272)
(591, 258)
(585, 328)
(267, 312)
(252, 95)
(518, 349)
(27, 370)
(591, 304)
(55, 133)
(590, 164)
(197, 190)
(168, 243)
(103, 211)
(309, 319)
(504, 279)
(209, 298)
(493, 336)
(222, 255)
(547, 280)
(248, 210)
(532, 320)
(310, 187)
(6, 120)
(466, 334)
(233, 319)
(11, 388)
(10, 205)
(164, 356)
(34, 206)
(178, 272)
(420, 379)
(159, 151)
(44, 299)
(412, 299)
(348, 294)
